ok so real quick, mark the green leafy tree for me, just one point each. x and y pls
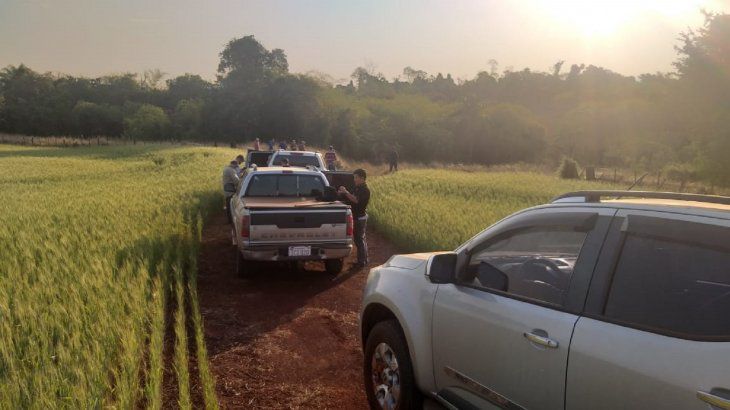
(26, 101)
(246, 69)
(187, 119)
(93, 119)
(187, 87)
(148, 122)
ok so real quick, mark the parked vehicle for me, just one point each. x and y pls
(297, 159)
(635, 289)
(290, 214)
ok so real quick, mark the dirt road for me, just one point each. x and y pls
(282, 338)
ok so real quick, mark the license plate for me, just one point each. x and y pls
(300, 251)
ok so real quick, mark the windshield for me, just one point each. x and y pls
(297, 160)
(277, 185)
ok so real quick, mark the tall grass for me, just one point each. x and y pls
(181, 342)
(88, 241)
(423, 209)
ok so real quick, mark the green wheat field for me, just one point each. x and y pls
(433, 209)
(98, 251)
(95, 243)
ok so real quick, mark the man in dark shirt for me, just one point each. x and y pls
(393, 160)
(358, 200)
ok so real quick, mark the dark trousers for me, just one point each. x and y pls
(229, 213)
(359, 239)
(393, 166)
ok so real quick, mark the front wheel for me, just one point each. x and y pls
(333, 266)
(389, 380)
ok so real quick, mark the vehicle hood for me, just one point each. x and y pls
(410, 261)
(294, 203)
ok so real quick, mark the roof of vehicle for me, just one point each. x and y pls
(647, 200)
(303, 153)
(281, 170)
(669, 202)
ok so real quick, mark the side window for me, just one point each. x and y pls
(672, 286)
(535, 263)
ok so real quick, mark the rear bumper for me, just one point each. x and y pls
(320, 251)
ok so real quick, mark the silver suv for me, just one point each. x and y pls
(598, 300)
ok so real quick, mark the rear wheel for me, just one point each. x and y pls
(241, 269)
(333, 266)
(389, 380)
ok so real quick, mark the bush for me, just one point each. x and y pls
(568, 169)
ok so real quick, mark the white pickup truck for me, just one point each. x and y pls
(297, 159)
(290, 214)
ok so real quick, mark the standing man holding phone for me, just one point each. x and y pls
(358, 199)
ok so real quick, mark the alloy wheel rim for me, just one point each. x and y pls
(385, 374)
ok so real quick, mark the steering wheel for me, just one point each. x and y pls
(556, 276)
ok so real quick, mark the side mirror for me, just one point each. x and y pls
(442, 268)
(491, 277)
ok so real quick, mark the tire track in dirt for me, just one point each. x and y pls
(282, 338)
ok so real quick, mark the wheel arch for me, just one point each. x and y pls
(373, 314)
(418, 351)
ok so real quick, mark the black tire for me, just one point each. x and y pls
(241, 268)
(390, 333)
(333, 266)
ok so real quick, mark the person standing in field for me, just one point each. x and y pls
(330, 158)
(358, 200)
(393, 160)
(257, 145)
(230, 182)
(271, 144)
(302, 145)
(282, 144)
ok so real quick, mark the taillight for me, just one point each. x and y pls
(350, 225)
(246, 226)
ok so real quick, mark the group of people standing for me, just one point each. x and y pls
(283, 144)
(330, 157)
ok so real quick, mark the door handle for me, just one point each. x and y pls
(713, 400)
(541, 340)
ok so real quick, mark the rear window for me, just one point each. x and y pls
(260, 159)
(297, 160)
(674, 286)
(278, 185)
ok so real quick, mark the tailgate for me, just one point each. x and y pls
(337, 179)
(299, 226)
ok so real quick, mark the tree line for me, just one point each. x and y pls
(677, 123)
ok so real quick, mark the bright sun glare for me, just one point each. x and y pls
(600, 19)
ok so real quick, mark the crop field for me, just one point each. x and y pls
(98, 263)
(436, 209)
(98, 252)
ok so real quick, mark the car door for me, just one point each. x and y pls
(657, 327)
(501, 332)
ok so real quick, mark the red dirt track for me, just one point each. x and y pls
(282, 338)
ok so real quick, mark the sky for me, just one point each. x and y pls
(460, 37)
